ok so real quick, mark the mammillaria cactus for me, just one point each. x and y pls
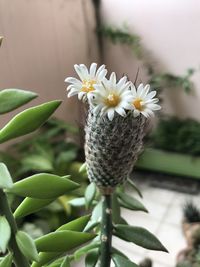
(115, 124)
(114, 131)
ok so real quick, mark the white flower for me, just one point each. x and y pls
(111, 96)
(144, 101)
(88, 78)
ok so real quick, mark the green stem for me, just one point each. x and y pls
(19, 259)
(106, 232)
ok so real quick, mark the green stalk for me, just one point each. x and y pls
(19, 258)
(106, 232)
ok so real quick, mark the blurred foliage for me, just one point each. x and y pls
(122, 36)
(168, 80)
(158, 80)
(191, 213)
(146, 263)
(176, 135)
(52, 149)
(196, 239)
(192, 259)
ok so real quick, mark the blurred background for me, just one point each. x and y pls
(154, 42)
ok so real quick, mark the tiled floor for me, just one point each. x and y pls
(164, 220)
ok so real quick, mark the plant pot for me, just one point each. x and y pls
(169, 162)
(189, 230)
(183, 255)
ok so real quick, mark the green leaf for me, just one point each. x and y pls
(62, 241)
(28, 120)
(131, 202)
(97, 212)
(66, 262)
(116, 251)
(37, 163)
(5, 178)
(5, 233)
(115, 209)
(27, 246)
(133, 185)
(122, 262)
(66, 157)
(43, 186)
(90, 194)
(84, 250)
(91, 225)
(75, 225)
(139, 236)
(82, 169)
(31, 205)
(122, 221)
(92, 258)
(47, 257)
(11, 99)
(77, 202)
(7, 261)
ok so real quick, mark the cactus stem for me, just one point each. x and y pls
(106, 232)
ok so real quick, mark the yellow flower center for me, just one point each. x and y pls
(112, 100)
(137, 104)
(88, 86)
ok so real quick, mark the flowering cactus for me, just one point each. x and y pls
(118, 113)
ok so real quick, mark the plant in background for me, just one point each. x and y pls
(117, 116)
(122, 36)
(191, 227)
(146, 263)
(38, 190)
(158, 80)
(51, 149)
(191, 213)
(176, 135)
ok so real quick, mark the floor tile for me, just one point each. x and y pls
(156, 209)
(172, 238)
(142, 219)
(129, 248)
(161, 196)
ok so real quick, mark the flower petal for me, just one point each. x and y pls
(84, 71)
(111, 114)
(113, 78)
(150, 95)
(136, 113)
(81, 95)
(140, 89)
(73, 80)
(93, 68)
(121, 82)
(72, 93)
(145, 91)
(79, 72)
(102, 67)
(101, 75)
(133, 90)
(154, 106)
(120, 111)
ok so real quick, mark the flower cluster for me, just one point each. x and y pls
(109, 96)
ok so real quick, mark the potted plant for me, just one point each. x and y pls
(174, 148)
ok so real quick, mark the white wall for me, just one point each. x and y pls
(43, 39)
(170, 30)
